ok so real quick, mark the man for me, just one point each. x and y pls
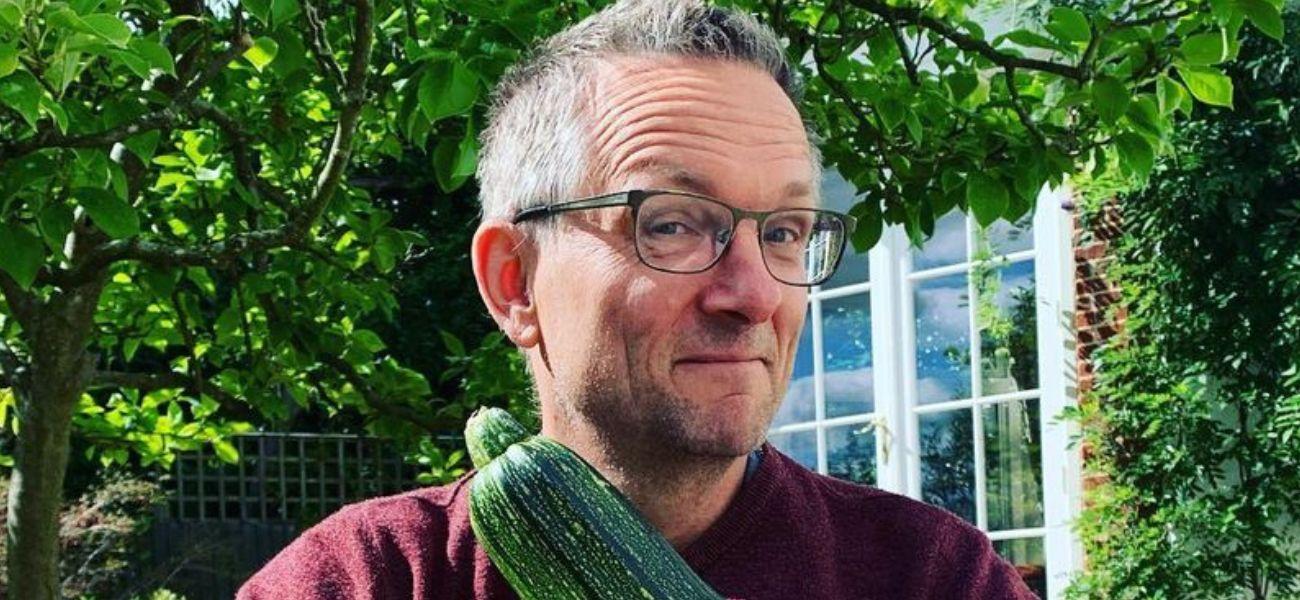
(649, 233)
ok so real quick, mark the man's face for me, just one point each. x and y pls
(676, 364)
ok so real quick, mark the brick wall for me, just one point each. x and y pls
(1094, 320)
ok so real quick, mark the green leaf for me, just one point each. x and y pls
(56, 112)
(453, 343)
(368, 340)
(22, 92)
(110, 213)
(262, 52)
(21, 253)
(447, 88)
(1135, 153)
(1169, 94)
(1205, 48)
(143, 144)
(454, 161)
(1264, 15)
(1029, 39)
(1110, 98)
(283, 11)
(1207, 85)
(55, 222)
(260, 9)
(108, 27)
(155, 54)
(961, 84)
(914, 127)
(11, 15)
(292, 54)
(388, 245)
(134, 63)
(1068, 24)
(891, 112)
(225, 451)
(870, 226)
(987, 198)
(8, 59)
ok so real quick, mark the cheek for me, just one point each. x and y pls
(789, 323)
(653, 319)
(574, 304)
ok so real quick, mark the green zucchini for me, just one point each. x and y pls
(557, 529)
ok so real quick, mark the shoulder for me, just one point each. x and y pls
(940, 551)
(364, 548)
(414, 513)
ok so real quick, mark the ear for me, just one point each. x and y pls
(498, 253)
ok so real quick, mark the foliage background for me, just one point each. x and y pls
(210, 211)
(1195, 419)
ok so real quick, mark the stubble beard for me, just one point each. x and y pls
(649, 433)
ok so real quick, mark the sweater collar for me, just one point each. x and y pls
(744, 512)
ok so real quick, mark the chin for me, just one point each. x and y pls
(730, 433)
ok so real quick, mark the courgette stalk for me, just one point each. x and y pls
(557, 529)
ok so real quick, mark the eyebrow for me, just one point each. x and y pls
(688, 181)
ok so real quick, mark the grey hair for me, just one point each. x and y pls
(536, 145)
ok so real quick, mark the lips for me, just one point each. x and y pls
(721, 359)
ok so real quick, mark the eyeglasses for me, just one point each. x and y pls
(680, 232)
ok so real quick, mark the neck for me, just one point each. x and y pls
(681, 495)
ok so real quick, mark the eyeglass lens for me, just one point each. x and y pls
(685, 234)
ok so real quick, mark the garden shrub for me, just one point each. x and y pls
(101, 536)
(1194, 422)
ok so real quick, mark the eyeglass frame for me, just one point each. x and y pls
(635, 198)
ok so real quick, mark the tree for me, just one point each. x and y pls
(182, 253)
(1194, 421)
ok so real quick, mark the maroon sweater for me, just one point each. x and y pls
(789, 533)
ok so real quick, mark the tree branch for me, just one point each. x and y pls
(350, 374)
(163, 117)
(22, 302)
(909, 63)
(919, 18)
(1025, 119)
(374, 400)
(151, 382)
(320, 46)
(239, 144)
(353, 97)
(292, 234)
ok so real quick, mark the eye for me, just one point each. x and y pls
(670, 228)
(781, 235)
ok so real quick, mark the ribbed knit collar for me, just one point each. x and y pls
(745, 511)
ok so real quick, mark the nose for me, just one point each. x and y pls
(741, 287)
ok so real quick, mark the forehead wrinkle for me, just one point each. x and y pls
(724, 128)
(620, 158)
(657, 89)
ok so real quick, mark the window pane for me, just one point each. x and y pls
(1027, 556)
(1008, 328)
(839, 195)
(1013, 464)
(799, 400)
(846, 343)
(946, 247)
(799, 445)
(851, 452)
(948, 461)
(942, 339)
(1005, 238)
(853, 268)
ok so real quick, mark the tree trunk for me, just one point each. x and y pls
(47, 395)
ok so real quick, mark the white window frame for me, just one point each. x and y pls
(895, 386)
